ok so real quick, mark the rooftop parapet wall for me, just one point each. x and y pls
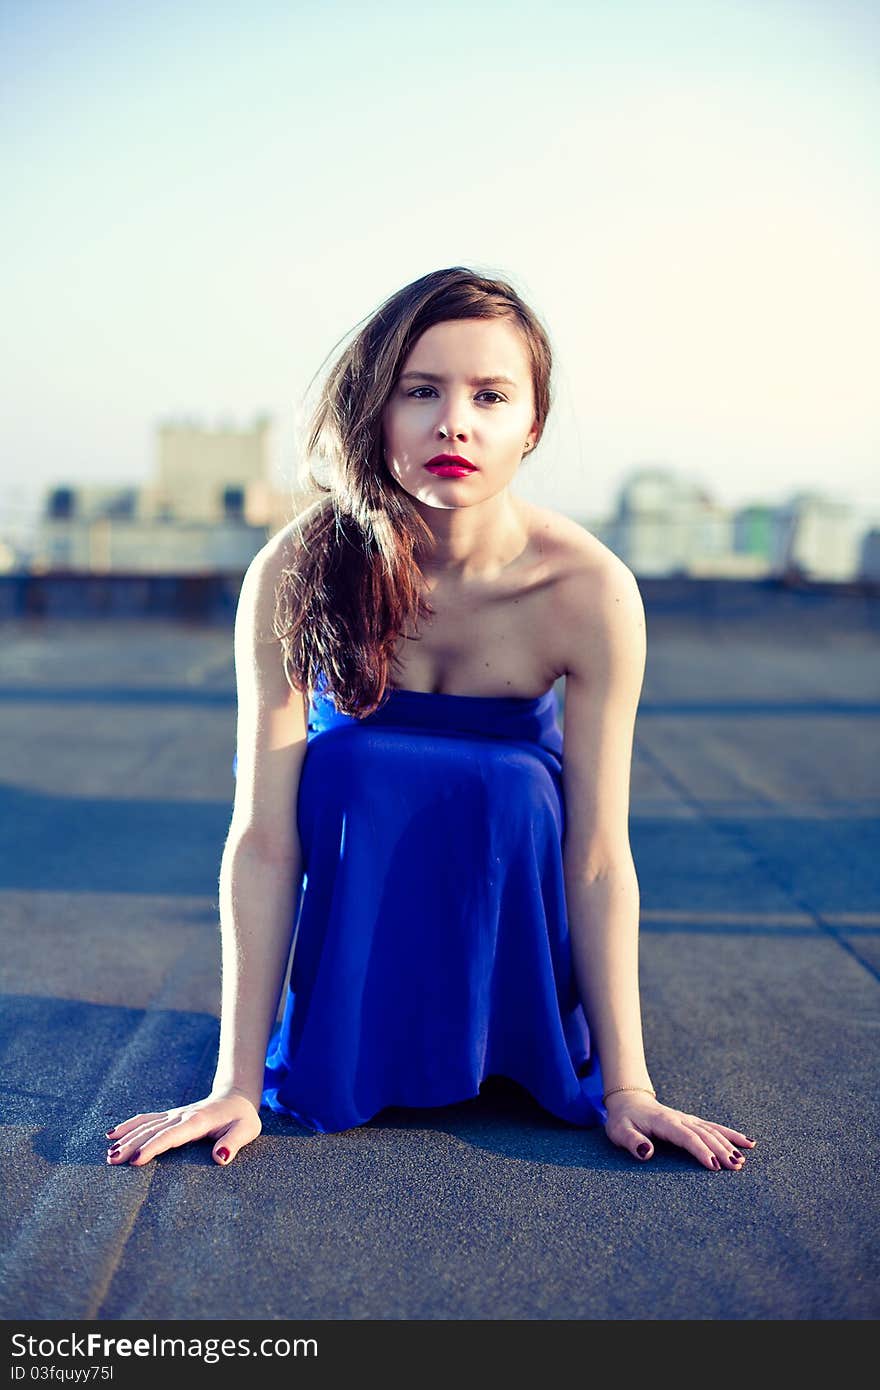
(212, 598)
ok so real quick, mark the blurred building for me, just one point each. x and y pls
(869, 567)
(211, 506)
(818, 537)
(212, 475)
(667, 524)
(754, 530)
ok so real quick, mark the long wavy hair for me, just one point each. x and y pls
(353, 584)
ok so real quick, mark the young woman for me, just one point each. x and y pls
(454, 874)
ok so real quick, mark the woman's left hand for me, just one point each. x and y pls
(634, 1118)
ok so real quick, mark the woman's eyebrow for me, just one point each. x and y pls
(474, 381)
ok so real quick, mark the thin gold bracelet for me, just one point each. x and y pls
(647, 1089)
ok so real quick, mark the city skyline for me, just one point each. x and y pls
(211, 504)
(22, 511)
(686, 194)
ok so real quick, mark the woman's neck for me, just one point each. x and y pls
(473, 544)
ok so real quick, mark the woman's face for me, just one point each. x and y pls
(443, 402)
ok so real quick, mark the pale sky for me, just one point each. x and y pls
(202, 198)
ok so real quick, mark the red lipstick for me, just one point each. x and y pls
(450, 466)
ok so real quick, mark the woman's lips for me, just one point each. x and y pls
(450, 465)
(450, 470)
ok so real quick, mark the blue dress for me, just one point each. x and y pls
(431, 946)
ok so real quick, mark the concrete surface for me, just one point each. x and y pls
(754, 828)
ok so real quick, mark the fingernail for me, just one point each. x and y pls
(715, 1163)
(223, 1155)
(111, 1131)
(114, 1148)
(735, 1153)
(136, 1154)
(643, 1150)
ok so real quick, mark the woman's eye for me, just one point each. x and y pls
(415, 393)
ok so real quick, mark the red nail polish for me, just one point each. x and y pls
(715, 1163)
(223, 1155)
(643, 1150)
(111, 1131)
(136, 1154)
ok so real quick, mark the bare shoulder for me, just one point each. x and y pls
(264, 573)
(595, 595)
(280, 549)
(272, 714)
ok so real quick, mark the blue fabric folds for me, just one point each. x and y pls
(432, 947)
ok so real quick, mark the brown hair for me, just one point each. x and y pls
(354, 585)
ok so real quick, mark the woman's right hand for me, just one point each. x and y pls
(228, 1117)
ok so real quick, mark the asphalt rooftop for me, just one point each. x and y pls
(754, 830)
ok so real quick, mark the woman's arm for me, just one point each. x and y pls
(262, 863)
(604, 625)
(259, 878)
(603, 621)
(257, 905)
(603, 915)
